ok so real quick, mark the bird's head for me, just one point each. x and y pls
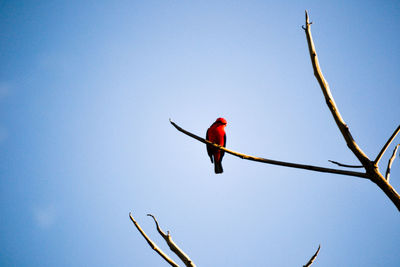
(221, 121)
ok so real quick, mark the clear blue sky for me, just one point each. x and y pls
(86, 91)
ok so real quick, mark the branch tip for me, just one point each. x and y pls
(387, 176)
(307, 19)
(313, 257)
(378, 158)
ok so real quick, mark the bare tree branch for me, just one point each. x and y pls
(344, 129)
(378, 158)
(167, 237)
(152, 244)
(313, 257)
(346, 165)
(390, 162)
(270, 161)
(371, 167)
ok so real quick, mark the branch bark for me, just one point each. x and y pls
(390, 162)
(313, 257)
(152, 244)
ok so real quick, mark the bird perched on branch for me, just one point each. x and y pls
(216, 134)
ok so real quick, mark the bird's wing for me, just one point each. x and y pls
(224, 145)
(224, 140)
(209, 148)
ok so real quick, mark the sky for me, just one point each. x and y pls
(86, 92)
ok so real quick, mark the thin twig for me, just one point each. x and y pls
(346, 165)
(378, 158)
(152, 244)
(390, 162)
(178, 251)
(270, 161)
(312, 258)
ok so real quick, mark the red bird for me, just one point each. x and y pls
(216, 134)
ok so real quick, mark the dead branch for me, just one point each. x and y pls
(167, 237)
(371, 168)
(344, 129)
(270, 161)
(378, 158)
(346, 165)
(185, 258)
(313, 257)
(390, 163)
(152, 244)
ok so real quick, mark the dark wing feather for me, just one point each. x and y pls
(209, 148)
(224, 145)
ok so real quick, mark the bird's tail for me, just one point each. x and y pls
(218, 166)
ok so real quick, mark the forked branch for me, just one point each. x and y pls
(167, 237)
(152, 244)
(371, 167)
(179, 252)
(313, 257)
